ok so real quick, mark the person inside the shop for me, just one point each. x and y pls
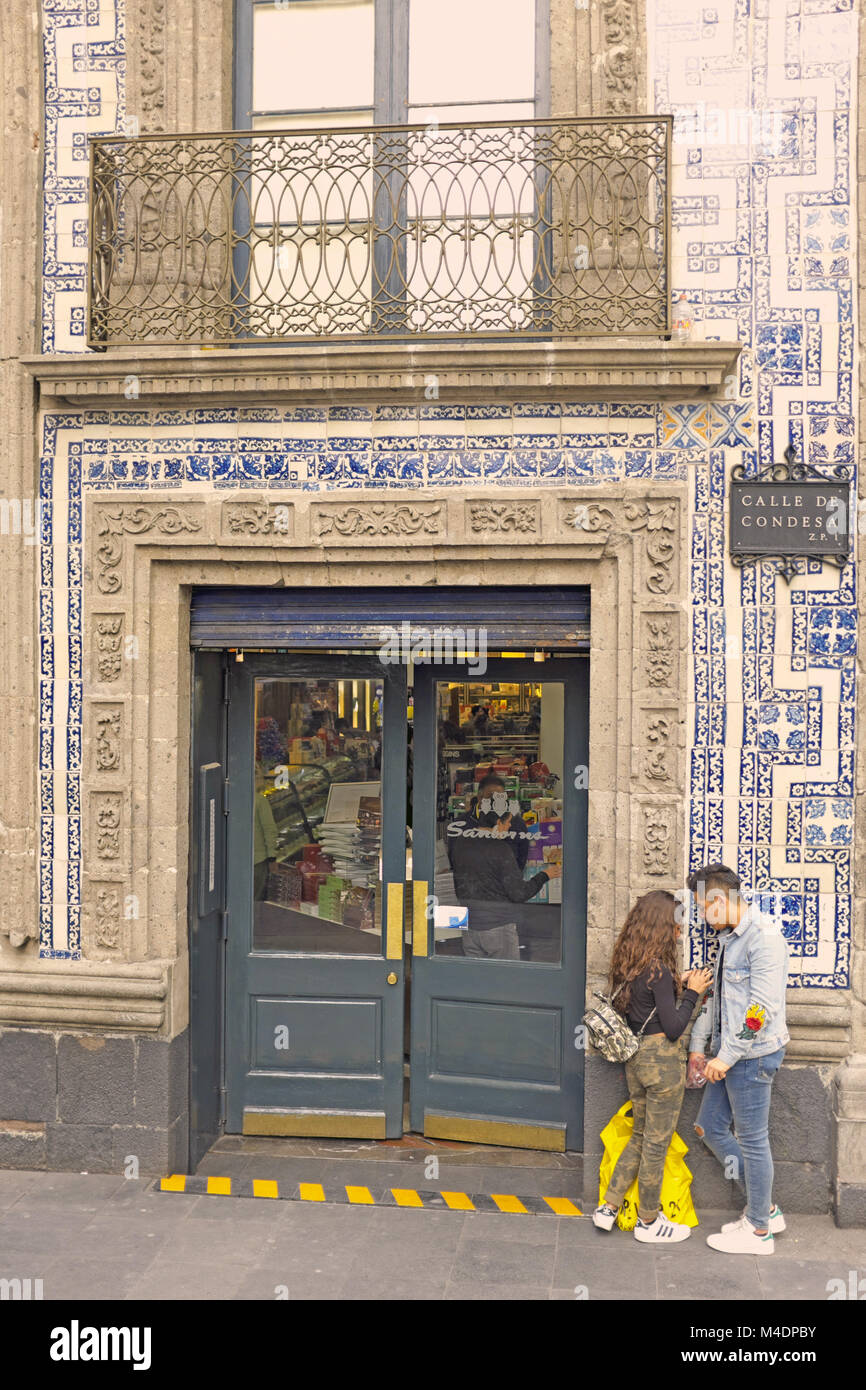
(646, 986)
(478, 721)
(487, 876)
(449, 732)
(493, 796)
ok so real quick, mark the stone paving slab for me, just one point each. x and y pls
(99, 1237)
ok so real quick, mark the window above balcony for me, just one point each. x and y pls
(389, 62)
(394, 175)
(394, 203)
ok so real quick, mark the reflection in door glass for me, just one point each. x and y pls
(317, 832)
(498, 884)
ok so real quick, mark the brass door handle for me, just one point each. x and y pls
(420, 891)
(392, 978)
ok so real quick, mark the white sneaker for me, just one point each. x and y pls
(777, 1222)
(661, 1231)
(604, 1217)
(742, 1240)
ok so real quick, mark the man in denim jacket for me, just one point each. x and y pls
(743, 1021)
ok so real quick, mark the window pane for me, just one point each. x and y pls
(514, 111)
(498, 884)
(307, 55)
(471, 50)
(318, 817)
(322, 120)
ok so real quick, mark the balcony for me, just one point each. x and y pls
(538, 230)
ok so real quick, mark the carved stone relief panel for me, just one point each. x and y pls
(657, 763)
(107, 648)
(657, 524)
(114, 523)
(106, 813)
(657, 843)
(660, 641)
(503, 519)
(379, 521)
(653, 522)
(257, 517)
(107, 737)
(105, 910)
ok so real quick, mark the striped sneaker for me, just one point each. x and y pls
(777, 1222)
(661, 1231)
(603, 1217)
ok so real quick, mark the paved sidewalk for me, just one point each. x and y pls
(103, 1237)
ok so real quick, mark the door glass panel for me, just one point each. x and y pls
(483, 50)
(308, 55)
(498, 883)
(317, 832)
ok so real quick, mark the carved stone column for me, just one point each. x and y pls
(166, 91)
(598, 58)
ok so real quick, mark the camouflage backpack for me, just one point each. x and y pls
(609, 1031)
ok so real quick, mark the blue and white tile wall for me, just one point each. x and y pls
(763, 94)
(84, 64)
(763, 218)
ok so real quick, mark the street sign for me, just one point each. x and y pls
(787, 511)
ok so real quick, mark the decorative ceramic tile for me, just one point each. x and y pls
(763, 223)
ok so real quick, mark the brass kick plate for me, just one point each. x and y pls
(330, 1124)
(474, 1131)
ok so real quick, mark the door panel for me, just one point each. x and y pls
(484, 1042)
(316, 867)
(206, 903)
(498, 969)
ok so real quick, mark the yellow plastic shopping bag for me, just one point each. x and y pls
(676, 1197)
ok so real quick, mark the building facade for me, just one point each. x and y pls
(251, 399)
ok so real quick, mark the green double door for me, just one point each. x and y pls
(405, 889)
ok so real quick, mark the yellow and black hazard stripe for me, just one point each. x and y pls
(360, 1195)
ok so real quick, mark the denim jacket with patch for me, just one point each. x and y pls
(753, 993)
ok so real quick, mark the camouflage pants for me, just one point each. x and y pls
(656, 1078)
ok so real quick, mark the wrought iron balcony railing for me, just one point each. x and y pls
(557, 227)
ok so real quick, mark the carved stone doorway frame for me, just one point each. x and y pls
(144, 557)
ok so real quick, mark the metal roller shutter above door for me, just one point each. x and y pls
(519, 619)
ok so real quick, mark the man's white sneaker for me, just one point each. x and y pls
(661, 1231)
(604, 1217)
(777, 1222)
(742, 1240)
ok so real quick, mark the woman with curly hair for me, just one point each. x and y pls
(645, 977)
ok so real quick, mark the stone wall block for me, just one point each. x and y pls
(96, 1080)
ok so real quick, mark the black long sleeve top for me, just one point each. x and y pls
(671, 1017)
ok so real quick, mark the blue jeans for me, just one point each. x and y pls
(741, 1103)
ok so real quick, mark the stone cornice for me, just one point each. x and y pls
(85, 994)
(592, 368)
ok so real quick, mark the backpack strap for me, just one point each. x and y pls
(646, 1021)
(649, 1015)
